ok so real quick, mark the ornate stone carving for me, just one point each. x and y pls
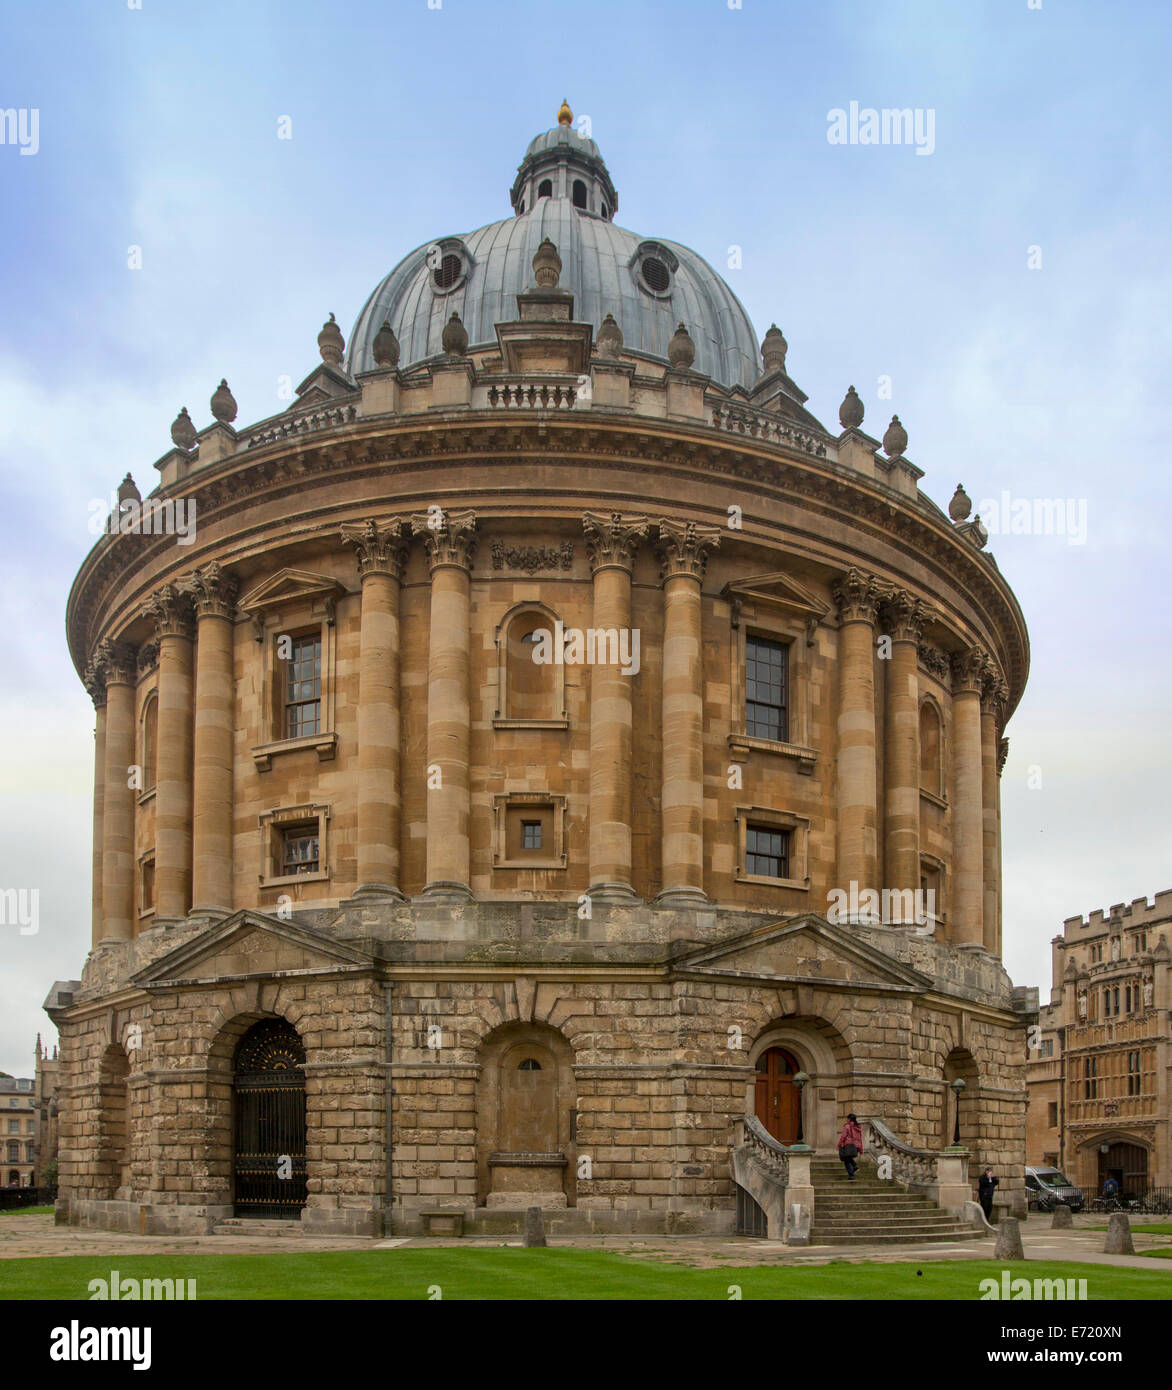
(968, 670)
(933, 660)
(450, 537)
(378, 549)
(1002, 754)
(773, 349)
(171, 609)
(532, 558)
(850, 412)
(904, 616)
(213, 591)
(330, 342)
(114, 662)
(613, 539)
(858, 596)
(995, 691)
(547, 265)
(683, 547)
(95, 685)
(148, 656)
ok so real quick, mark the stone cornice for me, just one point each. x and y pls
(612, 539)
(170, 608)
(858, 596)
(213, 591)
(380, 548)
(683, 547)
(668, 452)
(450, 537)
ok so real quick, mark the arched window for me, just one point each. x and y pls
(931, 740)
(579, 194)
(150, 742)
(531, 681)
(521, 206)
(605, 213)
(545, 188)
(529, 1064)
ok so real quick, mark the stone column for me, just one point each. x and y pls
(381, 552)
(904, 616)
(1002, 754)
(214, 595)
(115, 663)
(683, 550)
(857, 596)
(450, 546)
(171, 609)
(611, 542)
(968, 832)
(993, 697)
(96, 688)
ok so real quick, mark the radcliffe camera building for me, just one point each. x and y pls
(391, 919)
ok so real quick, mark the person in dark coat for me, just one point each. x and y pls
(986, 1184)
(850, 1146)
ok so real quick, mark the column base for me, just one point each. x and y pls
(612, 892)
(380, 891)
(682, 897)
(208, 915)
(447, 891)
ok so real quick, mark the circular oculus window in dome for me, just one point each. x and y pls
(654, 269)
(656, 274)
(447, 263)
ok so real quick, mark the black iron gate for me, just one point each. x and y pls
(751, 1220)
(269, 1103)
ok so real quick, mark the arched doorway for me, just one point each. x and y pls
(1127, 1164)
(776, 1098)
(268, 1094)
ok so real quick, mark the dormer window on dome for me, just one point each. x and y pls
(653, 267)
(448, 263)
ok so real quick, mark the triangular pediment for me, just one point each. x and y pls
(290, 586)
(250, 944)
(809, 950)
(776, 591)
(325, 383)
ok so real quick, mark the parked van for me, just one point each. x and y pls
(1047, 1188)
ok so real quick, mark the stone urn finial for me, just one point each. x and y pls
(128, 491)
(223, 403)
(681, 351)
(183, 431)
(895, 440)
(773, 349)
(610, 337)
(330, 342)
(455, 337)
(386, 346)
(547, 265)
(850, 412)
(961, 504)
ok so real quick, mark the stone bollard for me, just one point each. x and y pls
(1063, 1219)
(534, 1226)
(1008, 1240)
(1119, 1235)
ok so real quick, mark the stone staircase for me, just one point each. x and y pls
(256, 1226)
(871, 1211)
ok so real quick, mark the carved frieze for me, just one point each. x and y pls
(934, 660)
(532, 558)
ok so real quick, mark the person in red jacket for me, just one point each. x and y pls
(850, 1146)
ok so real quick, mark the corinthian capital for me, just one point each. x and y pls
(968, 671)
(114, 662)
(905, 616)
(171, 609)
(379, 549)
(683, 547)
(213, 592)
(612, 539)
(450, 537)
(858, 596)
(95, 685)
(994, 691)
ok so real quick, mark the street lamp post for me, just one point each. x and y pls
(958, 1086)
(801, 1081)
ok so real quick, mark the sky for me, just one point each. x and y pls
(1007, 293)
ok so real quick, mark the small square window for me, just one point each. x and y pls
(299, 850)
(767, 851)
(530, 834)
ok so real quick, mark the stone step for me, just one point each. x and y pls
(914, 1223)
(256, 1226)
(819, 1237)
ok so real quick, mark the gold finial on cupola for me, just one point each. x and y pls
(565, 115)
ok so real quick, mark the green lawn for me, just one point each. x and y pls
(1157, 1228)
(27, 1211)
(550, 1274)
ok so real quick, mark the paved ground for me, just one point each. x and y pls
(24, 1236)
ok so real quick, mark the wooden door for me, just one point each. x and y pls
(777, 1098)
